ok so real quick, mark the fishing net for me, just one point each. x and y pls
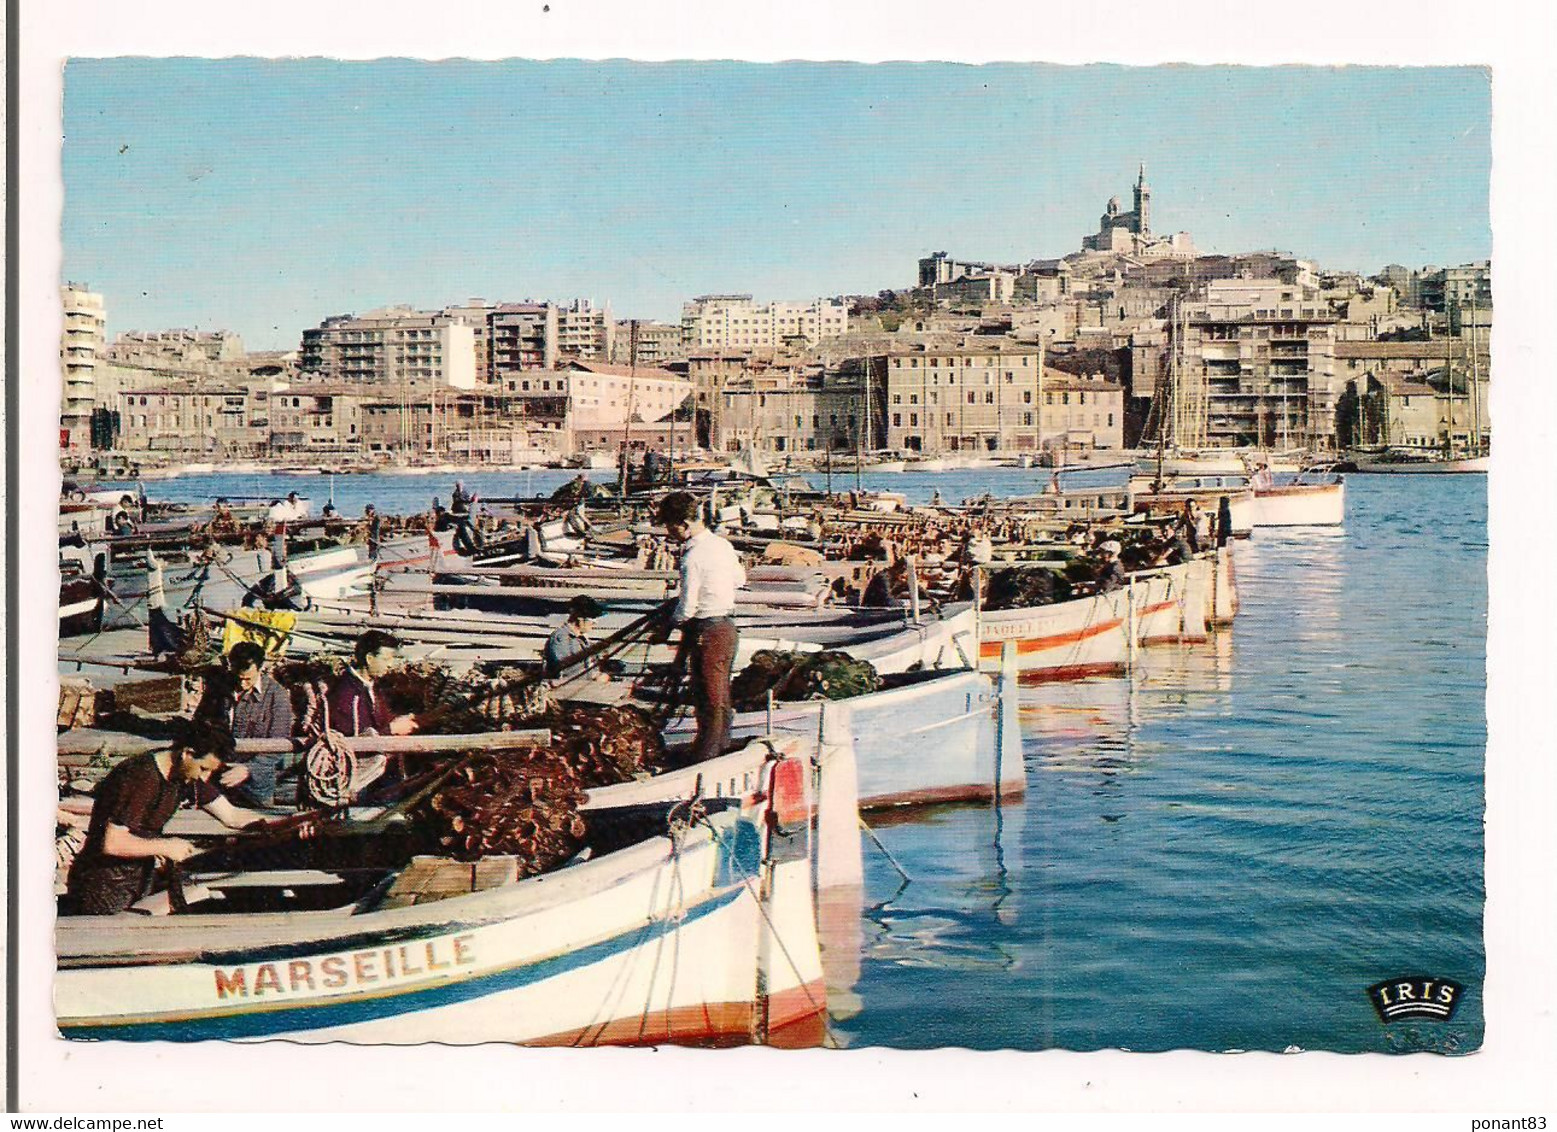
(526, 804)
(793, 676)
(1024, 589)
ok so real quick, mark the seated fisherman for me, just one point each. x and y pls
(121, 522)
(572, 637)
(240, 699)
(130, 809)
(354, 703)
(1112, 576)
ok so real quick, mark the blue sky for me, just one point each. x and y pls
(262, 196)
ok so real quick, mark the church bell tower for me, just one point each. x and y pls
(1143, 204)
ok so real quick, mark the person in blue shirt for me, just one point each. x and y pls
(572, 637)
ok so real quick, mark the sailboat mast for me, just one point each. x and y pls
(1476, 445)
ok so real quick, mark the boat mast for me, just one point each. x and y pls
(1476, 444)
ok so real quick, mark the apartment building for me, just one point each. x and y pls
(1081, 412)
(80, 351)
(971, 398)
(190, 419)
(1260, 354)
(657, 343)
(736, 322)
(585, 331)
(798, 409)
(390, 347)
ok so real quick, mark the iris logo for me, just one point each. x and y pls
(1415, 996)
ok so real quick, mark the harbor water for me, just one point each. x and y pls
(1222, 851)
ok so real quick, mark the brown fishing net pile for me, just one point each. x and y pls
(519, 803)
(793, 676)
(526, 804)
(523, 805)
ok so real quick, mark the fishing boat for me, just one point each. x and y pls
(80, 602)
(1097, 634)
(698, 929)
(927, 737)
(1302, 501)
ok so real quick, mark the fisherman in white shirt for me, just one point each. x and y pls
(711, 572)
(284, 511)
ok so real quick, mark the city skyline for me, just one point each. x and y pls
(262, 196)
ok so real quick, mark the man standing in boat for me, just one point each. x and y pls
(711, 572)
(130, 809)
(375, 531)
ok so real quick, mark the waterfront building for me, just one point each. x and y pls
(189, 419)
(306, 419)
(80, 350)
(1261, 353)
(1081, 412)
(1438, 390)
(391, 346)
(582, 395)
(982, 397)
(736, 322)
(801, 408)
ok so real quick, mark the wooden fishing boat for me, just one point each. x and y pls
(1300, 504)
(926, 738)
(1091, 635)
(1086, 636)
(700, 930)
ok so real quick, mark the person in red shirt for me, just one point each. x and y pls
(356, 708)
(131, 807)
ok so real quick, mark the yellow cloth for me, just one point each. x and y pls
(268, 628)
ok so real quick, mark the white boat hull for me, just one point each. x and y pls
(1084, 637)
(1472, 465)
(935, 741)
(653, 943)
(1300, 505)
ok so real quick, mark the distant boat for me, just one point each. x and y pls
(1404, 461)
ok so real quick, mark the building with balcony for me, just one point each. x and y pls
(736, 322)
(80, 351)
(391, 347)
(1259, 354)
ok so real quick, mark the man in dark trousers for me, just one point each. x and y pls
(130, 809)
(711, 572)
(375, 531)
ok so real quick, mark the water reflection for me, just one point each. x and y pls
(1086, 725)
